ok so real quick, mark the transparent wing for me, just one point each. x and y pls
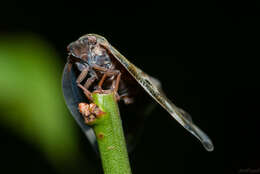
(73, 97)
(152, 87)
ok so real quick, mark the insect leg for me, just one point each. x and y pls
(110, 73)
(106, 73)
(115, 85)
(99, 68)
(89, 82)
(82, 75)
(86, 92)
(80, 78)
(117, 82)
(102, 81)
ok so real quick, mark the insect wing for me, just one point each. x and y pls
(73, 97)
(155, 91)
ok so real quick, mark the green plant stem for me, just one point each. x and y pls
(110, 136)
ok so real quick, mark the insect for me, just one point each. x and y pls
(104, 69)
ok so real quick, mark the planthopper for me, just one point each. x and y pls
(96, 66)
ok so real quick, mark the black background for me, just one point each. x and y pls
(205, 54)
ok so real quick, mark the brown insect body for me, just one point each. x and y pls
(136, 104)
(98, 61)
(104, 69)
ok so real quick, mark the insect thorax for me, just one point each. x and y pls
(100, 57)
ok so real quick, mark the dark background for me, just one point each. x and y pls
(205, 54)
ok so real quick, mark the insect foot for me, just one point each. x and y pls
(91, 112)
